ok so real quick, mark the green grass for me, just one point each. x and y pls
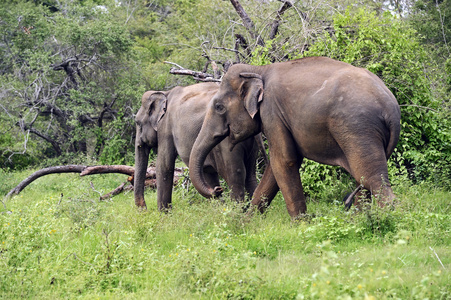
(74, 246)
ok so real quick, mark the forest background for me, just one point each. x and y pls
(72, 72)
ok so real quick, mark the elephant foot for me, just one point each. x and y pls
(141, 205)
(303, 218)
(164, 207)
(249, 210)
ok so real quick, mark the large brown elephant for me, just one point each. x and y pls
(316, 108)
(170, 122)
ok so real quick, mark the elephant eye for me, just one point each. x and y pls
(219, 108)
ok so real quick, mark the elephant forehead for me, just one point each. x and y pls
(234, 83)
(140, 115)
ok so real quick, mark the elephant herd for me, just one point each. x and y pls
(316, 108)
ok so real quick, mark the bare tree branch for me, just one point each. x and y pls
(275, 25)
(114, 192)
(42, 172)
(54, 143)
(442, 26)
(231, 50)
(200, 76)
(247, 21)
(90, 170)
(172, 63)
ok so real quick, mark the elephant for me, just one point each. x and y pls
(316, 108)
(170, 122)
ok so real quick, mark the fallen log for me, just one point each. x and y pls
(91, 170)
(115, 192)
(43, 172)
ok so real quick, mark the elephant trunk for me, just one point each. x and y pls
(142, 152)
(201, 148)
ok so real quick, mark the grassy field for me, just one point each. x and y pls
(75, 246)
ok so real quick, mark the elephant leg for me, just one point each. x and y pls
(265, 191)
(236, 171)
(251, 169)
(231, 167)
(285, 162)
(370, 169)
(165, 174)
(251, 182)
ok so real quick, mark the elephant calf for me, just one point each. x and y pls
(170, 122)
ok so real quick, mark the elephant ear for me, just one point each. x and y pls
(157, 108)
(252, 92)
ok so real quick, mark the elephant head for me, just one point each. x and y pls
(232, 112)
(153, 107)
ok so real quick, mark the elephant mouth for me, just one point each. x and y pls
(233, 139)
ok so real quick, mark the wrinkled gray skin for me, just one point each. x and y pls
(170, 122)
(316, 108)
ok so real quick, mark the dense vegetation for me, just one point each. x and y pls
(72, 73)
(60, 242)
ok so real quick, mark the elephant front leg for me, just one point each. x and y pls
(285, 163)
(236, 180)
(165, 177)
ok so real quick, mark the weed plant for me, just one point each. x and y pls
(57, 240)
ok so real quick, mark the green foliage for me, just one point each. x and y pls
(431, 20)
(66, 75)
(11, 155)
(58, 240)
(262, 55)
(325, 182)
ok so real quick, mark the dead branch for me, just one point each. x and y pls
(275, 25)
(240, 41)
(172, 63)
(200, 76)
(115, 192)
(247, 21)
(43, 172)
(127, 170)
(91, 170)
(231, 50)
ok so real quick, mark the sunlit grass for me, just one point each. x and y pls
(73, 245)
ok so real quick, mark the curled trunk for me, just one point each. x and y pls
(201, 148)
(141, 161)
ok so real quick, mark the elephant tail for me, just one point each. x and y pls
(393, 123)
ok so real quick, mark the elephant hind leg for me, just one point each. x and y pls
(370, 170)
